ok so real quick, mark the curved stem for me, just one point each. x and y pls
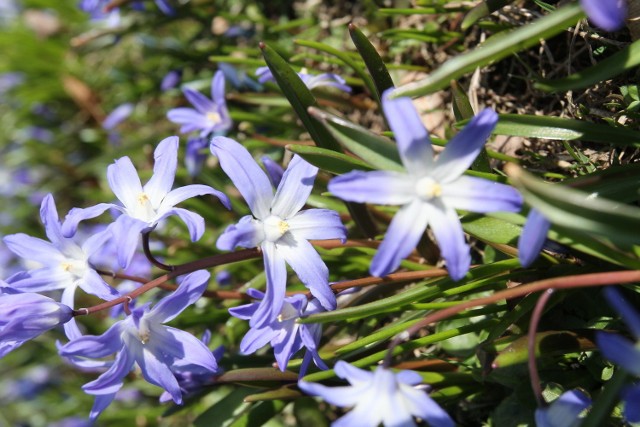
(122, 276)
(149, 255)
(531, 346)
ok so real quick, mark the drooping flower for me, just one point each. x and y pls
(311, 81)
(564, 411)
(161, 352)
(379, 397)
(24, 316)
(430, 190)
(144, 206)
(606, 14)
(208, 115)
(283, 333)
(534, 234)
(65, 261)
(624, 352)
(278, 226)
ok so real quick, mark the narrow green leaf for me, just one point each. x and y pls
(299, 96)
(328, 160)
(285, 392)
(495, 48)
(376, 150)
(578, 210)
(564, 129)
(482, 10)
(372, 60)
(625, 60)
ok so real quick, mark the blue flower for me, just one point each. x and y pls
(624, 352)
(161, 352)
(564, 411)
(171, 80)
(209, 115)
(238, 78)
(24, 316)
(379, 397)
(430, 190)
(144, 206)
(285, 335)
(311, 81)
(117, 116)
(278, 226)
(534, 234)
(606, 14)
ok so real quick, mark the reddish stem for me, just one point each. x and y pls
(531, 346)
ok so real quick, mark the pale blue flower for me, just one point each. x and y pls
(144, 206)
(279, 226)
(606, 14)
(171, 80)
(564, 411)
(379, 397)
(285, 335)
(430, 191)
(208, 115)
(311, 81)
(161, 352)
(534, 234)
(117, 116)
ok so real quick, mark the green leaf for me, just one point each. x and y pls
(564, 129)
(299, 96)
(328, 160)
(495, 48)
(578, 210)
(481, 10)
(372, 60)
(490, 229)
(626, 59)
(376, 150)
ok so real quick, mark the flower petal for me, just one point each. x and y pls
(294, 188)
(189, 118)
(49, 216)
(447, 229)
(32, 248)
(630, 316)
(193, 221)
(274, 170)
(379, 187)
(606, 14)
(77, 215)
(620, 351)
(217, 89)
(92, 346)
(203, 104)
(256, 338)
(309, 267)
(402, 236)
(351, 373)
(247, 233)
(317, 224)
(194, 353)
(155, 370)
(188, 191)
(124, 181)
(412, 137)
(463, 148)
(534, 234)
(339, 396)
(426, 408)
(245, 173)
(164, 170)
(188, 292)
(93, 284)
(126, 232)
(631, 397)
(481, 195)
(275, 269)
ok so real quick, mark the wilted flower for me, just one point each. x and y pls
(379, 397)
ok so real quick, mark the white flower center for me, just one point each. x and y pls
(75, 267)
(428, 188)
(288, 312)
(142, 209)
(214, 117)
(274, 228)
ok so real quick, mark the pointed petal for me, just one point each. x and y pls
(42, 280)
(631, 396)
(339, 396)
(447, 229)
(111, 381)
(124, 181)
(203, 104)
(95, 242)
(426, 408)
(247, 233)
(608, 15)
(155, 370)
(295, 187)
(49, 216)
(101, 403)
(188, 191)
(32, 248)
(413, 140)
(463, 148)
(409, 377)
(317, 224)
(189, 118)
(245, 173)
(620, 351)
(117, 116)
(93, 346)
(190, 289)
(351, 373)
(534, 234)
(402, 236)
(164, 170)
(287, 347)
(71, 329)
(276, 271)
(256, 338)
(630, 316)
(77, 215)
(193, 221)
(274, 170)
(217, 89)
(564, 411)
(481, 195)
(309, 267)
(244, 312)
(126, 232)
(193, 352)
(379, 187)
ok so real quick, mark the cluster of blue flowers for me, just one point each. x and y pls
(428, 192)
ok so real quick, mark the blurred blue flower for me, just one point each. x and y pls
(430, 190)
(195, 155)
(311, 81)
(160, 351)
(9, 80)
(564, 411)
(238, 78)
(224, 278)
(379, 397)
(278, 226)
(209, 115)
(534, 234)
(286, 336)
(606, 14)
(624, 352)
(24, 316)
(144, 206)
(171, 80)
(117, 116)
